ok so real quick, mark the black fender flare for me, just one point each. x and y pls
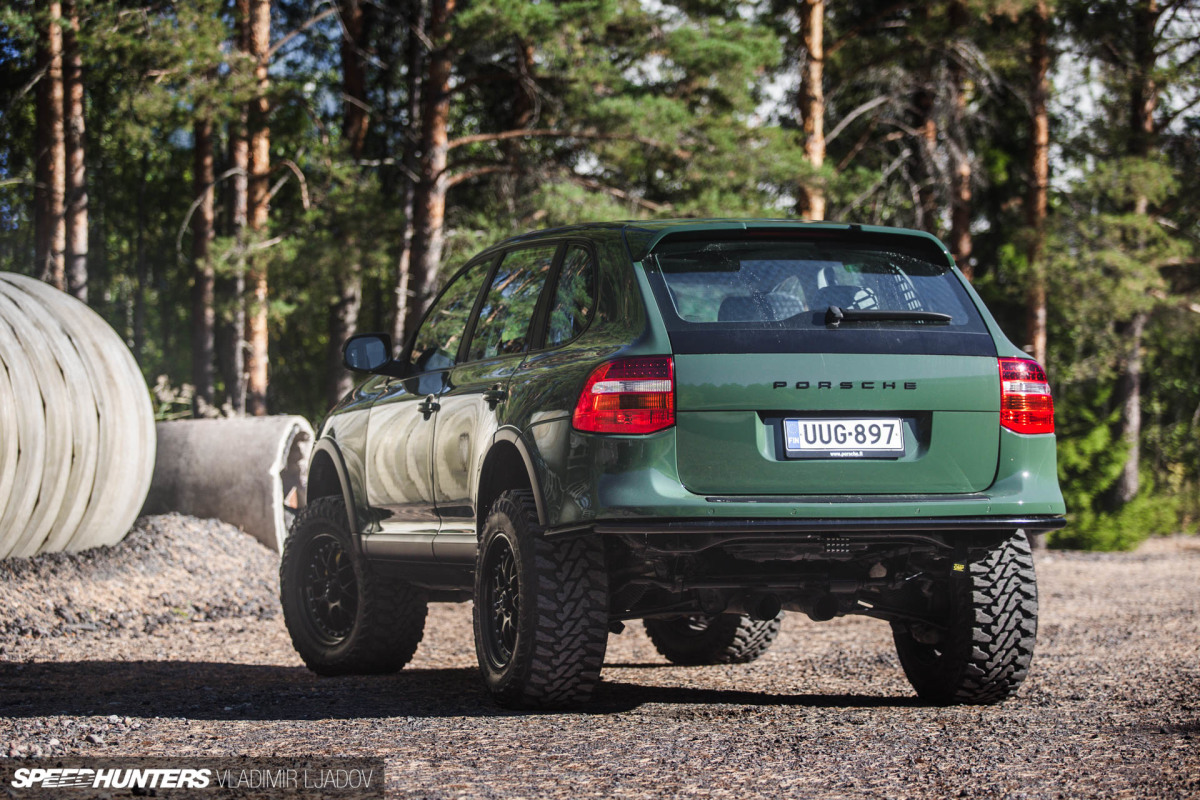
(511, 435)
(321, 481)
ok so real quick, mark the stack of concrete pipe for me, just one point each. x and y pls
(77, 442)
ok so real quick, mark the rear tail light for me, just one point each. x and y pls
(633, 395)
(1025, 402)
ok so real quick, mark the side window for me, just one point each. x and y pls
(503, 325)
(436, 345)
(573, 299)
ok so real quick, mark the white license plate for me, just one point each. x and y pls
(843, 438)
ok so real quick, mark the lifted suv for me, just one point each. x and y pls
(699, 424)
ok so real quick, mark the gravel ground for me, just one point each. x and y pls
(172, 644)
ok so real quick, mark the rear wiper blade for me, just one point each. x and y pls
(835, 316)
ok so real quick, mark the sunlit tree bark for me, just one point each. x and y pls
(258, 211)
(76, 210)
(51, 168)
(1039, 176)
(811, 203)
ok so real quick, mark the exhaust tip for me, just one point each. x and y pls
(766, 607)
(824, 608)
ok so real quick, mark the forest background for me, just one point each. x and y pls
(239, 185)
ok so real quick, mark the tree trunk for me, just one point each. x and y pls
(415, 68)
(233, 289)
(922, 121)
(203, 313)
(141, 264)
(51, 189)
(429, 202)
(355, 120)
(76, 266)
(343, 314)
(1144, 95)
(960, 179)
(925, 157)
(1143, 105)
(523, 109)
(1130, 393)
(259, 208)
(1039, 177)
(811, 203)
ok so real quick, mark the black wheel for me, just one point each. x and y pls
(343, 617)
(541, 610)
(700, 639)
(982, 654)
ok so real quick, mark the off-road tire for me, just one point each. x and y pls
(991, 624)
(540, 611)
(698, 640)
(384, 619)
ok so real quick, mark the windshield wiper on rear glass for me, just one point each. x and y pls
(835, 316)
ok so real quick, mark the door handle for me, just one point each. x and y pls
(428, 406)
(495, 395)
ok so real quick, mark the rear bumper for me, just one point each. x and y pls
(634, 480)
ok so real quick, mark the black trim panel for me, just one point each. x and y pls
(758, 527)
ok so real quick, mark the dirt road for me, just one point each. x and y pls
(176, 647)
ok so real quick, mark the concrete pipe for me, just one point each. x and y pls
(76, 424)
(248, 471)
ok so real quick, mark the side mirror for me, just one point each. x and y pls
(371, 352)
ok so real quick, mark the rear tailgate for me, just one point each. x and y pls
(825, 362)
(734, 414)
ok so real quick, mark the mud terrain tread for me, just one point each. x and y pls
(391, 614)
(1004, 605)
(733, 639)
(561, 644)
(993, 627)
(754, 637)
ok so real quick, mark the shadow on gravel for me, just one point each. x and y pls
(212, 690)
(616, 696)
(217, 691)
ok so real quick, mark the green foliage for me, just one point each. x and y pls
(1149, 514)
(1090, 455)
(1109, 263)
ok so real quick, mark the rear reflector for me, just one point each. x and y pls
(633, 395)
(1025, 402)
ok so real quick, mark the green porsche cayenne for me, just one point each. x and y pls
(699, 424)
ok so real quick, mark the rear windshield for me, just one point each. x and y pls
(775, 296)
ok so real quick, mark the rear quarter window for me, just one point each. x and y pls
(574, 297)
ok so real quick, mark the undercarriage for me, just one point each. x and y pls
(900, 578)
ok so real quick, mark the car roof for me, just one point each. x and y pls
(642, 235)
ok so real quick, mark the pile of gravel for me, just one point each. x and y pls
(169, 569)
